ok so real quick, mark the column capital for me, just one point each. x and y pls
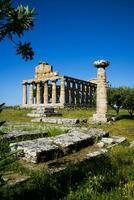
(101, 63)
(31, 82)
(24, 82)
(54, 80)
(63, 79)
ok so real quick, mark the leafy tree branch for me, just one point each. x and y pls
(14, 22)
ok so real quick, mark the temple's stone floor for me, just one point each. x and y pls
(49, 148)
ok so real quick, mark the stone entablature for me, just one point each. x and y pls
(50, 89)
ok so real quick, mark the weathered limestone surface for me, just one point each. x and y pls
(31, 94)
(49, 148)
(46, 92)
(44, 149)
(38, 93)
(19, 134)
(54, 92)
(58, 120)
(62, 91)
(42, 111)
(110, 141)
(24, 94)
(97, 153)
(101, 111)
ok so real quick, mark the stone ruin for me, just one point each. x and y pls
(50, 89)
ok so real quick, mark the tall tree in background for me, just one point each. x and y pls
(13, 23)
(129, 101)
(115, 99)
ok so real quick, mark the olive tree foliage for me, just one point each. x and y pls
(121, 97)
(1, 108)
(129, 101)
(115, 98)
(14, 21)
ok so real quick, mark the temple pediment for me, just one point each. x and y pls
(44, 70)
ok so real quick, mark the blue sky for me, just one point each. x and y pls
(71, 35)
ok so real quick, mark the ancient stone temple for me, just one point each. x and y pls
(48, 88)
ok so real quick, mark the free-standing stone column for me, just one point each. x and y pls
(31, 99)
(62, 91)
(24, 98)
(101, 111)
(38, 93)
(46, 92)
(54, 91)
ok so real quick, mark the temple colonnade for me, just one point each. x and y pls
(58, 92)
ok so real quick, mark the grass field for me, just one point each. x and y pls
(111, 178)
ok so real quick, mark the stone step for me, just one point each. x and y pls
(69, 121)
(16, 134)
(44, 149)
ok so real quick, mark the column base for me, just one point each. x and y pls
(100, 118)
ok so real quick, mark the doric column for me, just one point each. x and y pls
(83, 94)
(69, 92)
(54, 91)
(62, 91)
(73, 93)
(46, 92)
(38, 93)
(87, 92)
(91, 95)
(31, 99)
(24, 98)
(78, 93)
(101, 110)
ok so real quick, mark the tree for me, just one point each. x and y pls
(129, 101)
(116, 97)
(13, 23)
(1, 108)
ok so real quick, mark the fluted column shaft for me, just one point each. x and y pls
(24, 98)
(73, 93)
(69, 92)
(83, 94)
(38, 93)
(101, 91)
(46, 92)
(31, 100)
(62, 91)
(54, 91)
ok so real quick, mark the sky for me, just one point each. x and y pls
(70, 35)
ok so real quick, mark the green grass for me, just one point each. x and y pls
(15, 115)
(110, 178)
(124, 127)
(113, 182)
(77, 112)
